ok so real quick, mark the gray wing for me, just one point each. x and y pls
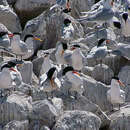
(108, 96)
(23, 47)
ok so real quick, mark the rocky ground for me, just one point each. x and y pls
(27, 108)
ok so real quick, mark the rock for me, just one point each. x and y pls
(26, 71)
(114, 62)
(120, 119)
(77, 120)
(12, 23)
(43, 110)
(102, 73)
(37, 64)
(83, 104)
(16, 107)
(124, 76)
(3, 28)
(96, 92)
(3, 2)
(50, 24)
(17, 125)
(28, 9)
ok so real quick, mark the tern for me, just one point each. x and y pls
(115, 95)
(126, 24)
(49, 81)
(76, 82)
(102, 15)
(100, 51)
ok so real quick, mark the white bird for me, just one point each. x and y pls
(102, 15)
(115, 95)
(60, 50)
(49, 81)
(71, 58)
(47, 64)
(19, 47)
(100, 51)
(6, 75)
(68, 30)
(126, 25)
(76, 82)
(122, 50)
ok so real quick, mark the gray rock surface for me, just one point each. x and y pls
(43, 110)
(26, 71)
(12, 23)
(77, 120)
(102, 73)
(13, 108)
(3, 2)
(96, 92)
(17, 125)
(120, 119)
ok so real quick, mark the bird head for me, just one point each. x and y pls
(125, 16)
(118, 81)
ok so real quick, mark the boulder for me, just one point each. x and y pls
(50, 24)
(17, 125)
(15, 107)
(83, 104)
(102, 73)
(77, 120)
(120, 119)
(43, 110)
(26, 71)
(28, 9)
(96, 92)
(124, 76)
(9, 19)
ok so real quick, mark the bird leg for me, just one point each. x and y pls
(47, 95)
(119, 107)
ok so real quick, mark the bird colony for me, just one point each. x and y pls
(64, 64)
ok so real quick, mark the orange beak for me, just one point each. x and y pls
(36, 38)
(107, 41)
(12, 69)
(62, 52)
(74, 72)
(10, 35)
(120, 83)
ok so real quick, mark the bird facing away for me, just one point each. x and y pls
(49, 81)
(115, 95)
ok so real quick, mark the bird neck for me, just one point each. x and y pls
(115, 85)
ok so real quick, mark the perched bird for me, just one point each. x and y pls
(19, 47)
(76, 82)
(125, 24)
(102, 15)
(49, 81)
(115, 95)
(60, 50)
(67, 30)
(72, 57)
(100, 51)
(47, 64)
(6, 76)
(122, 50)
